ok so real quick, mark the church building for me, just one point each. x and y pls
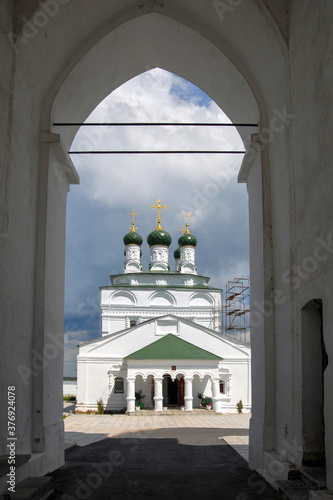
(161, 340)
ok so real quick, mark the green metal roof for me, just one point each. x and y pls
(172, 347)
(159, 237)
(133, 238)
(187, 239)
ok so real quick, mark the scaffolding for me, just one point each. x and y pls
(237, 309)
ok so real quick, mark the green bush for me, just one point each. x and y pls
(240, 406)
(100, 407)
(69, 397)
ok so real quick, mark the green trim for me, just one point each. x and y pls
(172, 347)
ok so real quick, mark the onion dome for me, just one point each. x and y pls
(159, 237)
(187, 239)
(133, 238)
(176, 253)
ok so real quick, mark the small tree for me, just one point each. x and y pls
(240, 406)
(100, 407)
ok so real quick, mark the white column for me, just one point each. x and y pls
(216, 395)
(130, 394)
(188, 398)
(158, 398)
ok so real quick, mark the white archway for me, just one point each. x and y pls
(165, 42)
(239, 64)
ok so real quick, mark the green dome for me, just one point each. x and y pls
(133, 238)
(176, 253)
(159, 237)
(187, 239)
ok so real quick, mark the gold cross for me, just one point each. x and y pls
(133, 214)
(182, 230)
(187, 215)
(159, 207)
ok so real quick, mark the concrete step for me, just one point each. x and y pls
(19, 460)
(314, 477)
(320, 495)
(198, 411)
(293, 490)
(32, 488)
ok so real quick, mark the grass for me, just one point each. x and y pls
(69, 397)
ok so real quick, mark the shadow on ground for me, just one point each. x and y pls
(161, 464)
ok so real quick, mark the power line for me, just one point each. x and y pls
(153, 124)
(151, 152)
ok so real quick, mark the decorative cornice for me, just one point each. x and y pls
(161, 311)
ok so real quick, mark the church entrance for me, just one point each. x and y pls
(173, 391)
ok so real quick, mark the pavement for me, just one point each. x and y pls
(86, 429)
(164, 457)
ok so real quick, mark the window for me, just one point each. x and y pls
(222, 387)
(119, 385)
(132, 322)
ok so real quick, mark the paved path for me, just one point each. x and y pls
(159, 457)
(86, 429)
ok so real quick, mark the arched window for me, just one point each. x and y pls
(119, 385)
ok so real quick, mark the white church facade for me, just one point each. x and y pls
(161, 337)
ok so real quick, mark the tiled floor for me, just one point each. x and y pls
(85, 429)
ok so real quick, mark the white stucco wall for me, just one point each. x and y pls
(97, 359)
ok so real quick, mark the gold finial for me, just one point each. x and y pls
(182, 230)
(187, 215)
(159, 207)
(133, 214)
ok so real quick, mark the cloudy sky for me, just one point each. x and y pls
(113, 185)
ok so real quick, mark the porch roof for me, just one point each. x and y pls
(172, 347)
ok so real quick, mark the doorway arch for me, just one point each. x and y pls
(234, 79)
(314, 364)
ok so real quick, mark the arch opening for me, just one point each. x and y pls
(314, 364)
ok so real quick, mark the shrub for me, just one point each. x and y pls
(138, 397)
(240, 406)
(69, 397)
(100, 407)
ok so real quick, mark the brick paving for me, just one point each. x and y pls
(163, 457)
(86, 429)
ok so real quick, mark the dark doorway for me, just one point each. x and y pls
(170, 391)
(314, 363)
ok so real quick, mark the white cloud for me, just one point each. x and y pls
(112, 185)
